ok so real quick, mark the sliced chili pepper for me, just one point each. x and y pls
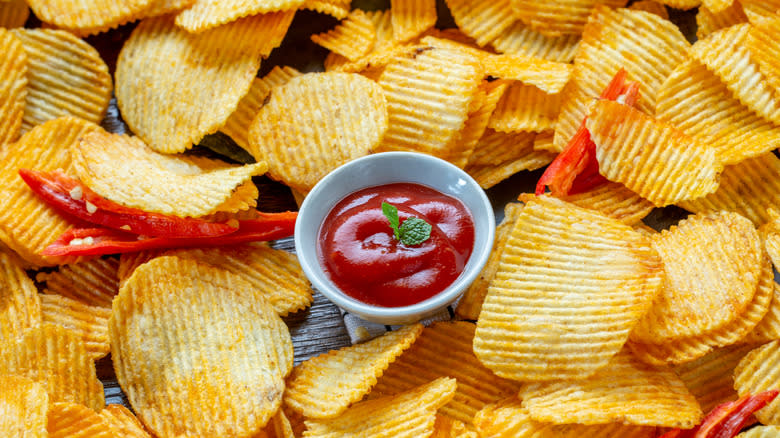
(73, 198)
(102, 241)
(727, 419)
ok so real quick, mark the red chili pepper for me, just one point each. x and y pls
(576, 168)
(102, 241)
(727, 419)
(71, 197)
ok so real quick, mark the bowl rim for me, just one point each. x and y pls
(317, 276)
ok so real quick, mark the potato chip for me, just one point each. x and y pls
(708, 22)
(650, 157)
(764, 49)
(410, 18)
(768, 329)
(87, 18)
(695, 101)
(90, 323)
(525, 108)
(758, 372)
(651, 6)
(761, 432)
(20, 307)
(682, 4)
(326, 385)
(196, 97)
(23, 407)
(508, 419)
(407, 415)
(520, 40)
(613, 200)
(759, 10)
(55, 357)
(300, 131)
(162, 7)
(124, 422)
(237, 125)
(544, 142)
(725, 53)
(626, 390)
(295, 419)
(27, 224)
(713, 266)
(717, 6)
(177, 321)
(646, 45)
(128, 262)
(483, 20)
(13, 13)
(548, 76)
(489, 175)
(561, 17)
(497, 147)
(278, 427)
(445, 350)
(353, 38)
(543, 306)
(73, 420)
(93, 282)
(710, 378)
(279, 76)
(124, 170)
(335, 8)
(208, 14)
(446, 427)
(471, 302)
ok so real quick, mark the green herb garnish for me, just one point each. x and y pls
(413, 231)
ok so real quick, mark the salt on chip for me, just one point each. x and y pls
(326, 385)
(625, 390)
(125, 170)
(353, 38)
(73, 420)
(445, 350)
(652, 158)
(20, 307)
(94, 282)
(545, 314)
(708, 22)
(302, 131)
(410, 414)
(13, 13)
(764, 49)
(560, 17)
(613, 200)
(87, 18)
(90, 323)
(124, 422)
(520, 40)
(13, 87)
(196, 97)
(525, 108)
(27, 224)
(335, 8)
(66, 77)
(758, 371)
(55, 357)
(483, 20)
(411, 18)
(23, 407)
(652, 6)
(208, 14)
(646, 45)
(176, 321)
(548, 76)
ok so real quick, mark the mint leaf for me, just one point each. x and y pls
(415, 231)
(391, 213)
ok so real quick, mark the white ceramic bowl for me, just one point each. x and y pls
(386, 168)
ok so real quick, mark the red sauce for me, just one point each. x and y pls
(362, 257)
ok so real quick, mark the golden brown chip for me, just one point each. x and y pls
(124, 422)
(410, 18)
(13, 13)
(90, 323)
(626, 390)
(496, 147)
(335, 8)
(237, 125)
(564, 311)
(652, 6)
(73, 420)
(760, 10)
(483, 20)
(548, 76)
(23, 407)
(13, 87)
(278, 427)
(762, 43)
(481, 108)
(682, 4)
(761, 432)
(544, 142)
(91, 17)
(410, 414)
(177, 321)
(646, 45)
(196, 97)
(279, 76)
(520, 40)
(208, 14)
(27, 224)
(93, 282)
(20, 307)
(326, 385)
(613, 200)
(652, 158)
(124, 170)
(525, 108)
(758, 372)
(445, 350)
(301, 132)
(446, 427)
(559, 17)
(768, 329)
(353, 38)
(489, 175)
(708, 22)
(55, 357)
(162, 7)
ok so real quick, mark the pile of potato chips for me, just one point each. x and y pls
(584, 323)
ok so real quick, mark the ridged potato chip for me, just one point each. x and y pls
(208, 14)
(682, 4)
(124, 422)
(613, 200)
(482, 105)
(490, 175)
(713, 264)
(757, 372)
(335, 8)
(626, 390)
(55, 357)
(411, 414)
(525, 108)
(646, 45)
(445, 350)
(548, 76)
(762, 43)
(768, 329)
(237, 125)
(560, 309)
(761, 432)
(23, 407)
(652, 158)
(446, 427)
(20, 307)
(27, 224)
(326, 385)
(13, 13)
(301, 131)
(483, 20)
(353, 38)
(410, 18)
(90, 323)
(93, 282)
(278, 427)
(279, 76)
(176, 321)
(651, 6)
(73, 420)
(13, 87)
(520, 40)
(760, 10)
(708, 22)
(125, 170)
(87, 18)
(560, 17)
(162, 7)
(496, 147)
(196, 97)
(508, 419)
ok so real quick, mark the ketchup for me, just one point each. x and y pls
(358, 251)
